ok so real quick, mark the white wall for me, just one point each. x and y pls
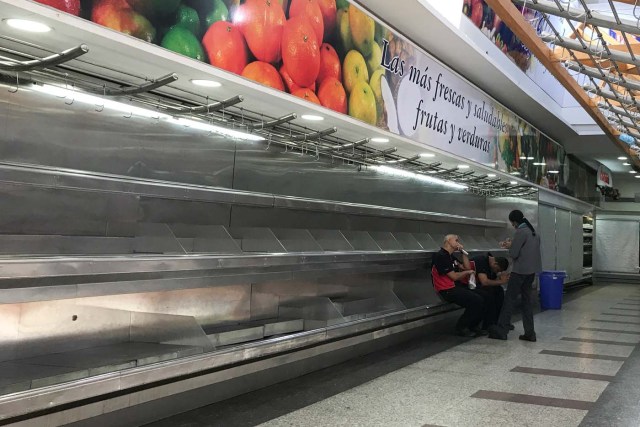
(628, 186)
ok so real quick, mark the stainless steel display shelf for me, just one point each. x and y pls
(39, 267)
(25, 279)
(49, 369)
(47, 397)
(61, 178)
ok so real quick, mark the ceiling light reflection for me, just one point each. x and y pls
(432, 180)
(26, 25)
(130, 111)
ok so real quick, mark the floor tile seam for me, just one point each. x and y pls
(597, 341)
(580, 355)
(589, 342)
(633, 316)
(534, 400)
(619, 356)
(615, 331)
(587, 368)
(558, 373)
(616, 322)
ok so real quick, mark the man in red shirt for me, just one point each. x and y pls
(446, 272)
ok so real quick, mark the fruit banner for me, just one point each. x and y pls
(492, 26)
(333, 53)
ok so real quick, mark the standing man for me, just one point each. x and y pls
(446, 272)
(489, 285)
(524, 249)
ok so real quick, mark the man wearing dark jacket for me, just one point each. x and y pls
(524, 250)
(489, 285)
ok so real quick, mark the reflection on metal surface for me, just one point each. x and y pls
(420, 177)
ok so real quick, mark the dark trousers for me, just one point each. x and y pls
(472, 303)
(519, 285)
(493, 297)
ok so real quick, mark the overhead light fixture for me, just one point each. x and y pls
(26, 25)
(513, 182)
(515, 173)
(491, 175)
(523, 157)
(463, 166)
(312, 117)
(554, 172)
(407, 174)
(632, 171)
(205, 83)
(622, 158)
(626, 164)
(637, 176)
(539, 164)
(383, 140)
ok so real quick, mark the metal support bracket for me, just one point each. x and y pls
(402, 161)
(49, 61)
(313, 136)
(147, 87)
(352, 145)
(383, 153)
(211, 108)
(273, 123)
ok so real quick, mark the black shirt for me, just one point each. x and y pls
(444, 262)
(482, 266)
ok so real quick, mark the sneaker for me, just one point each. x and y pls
(465, 333)
(530, 338)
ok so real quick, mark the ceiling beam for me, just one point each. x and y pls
(525, 32)
(590, 18)
(596, 49)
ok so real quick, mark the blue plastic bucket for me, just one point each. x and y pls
(551, 286)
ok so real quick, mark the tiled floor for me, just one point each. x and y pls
(581, 370)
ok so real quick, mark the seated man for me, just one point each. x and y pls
(489, 285)
(447, 271)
